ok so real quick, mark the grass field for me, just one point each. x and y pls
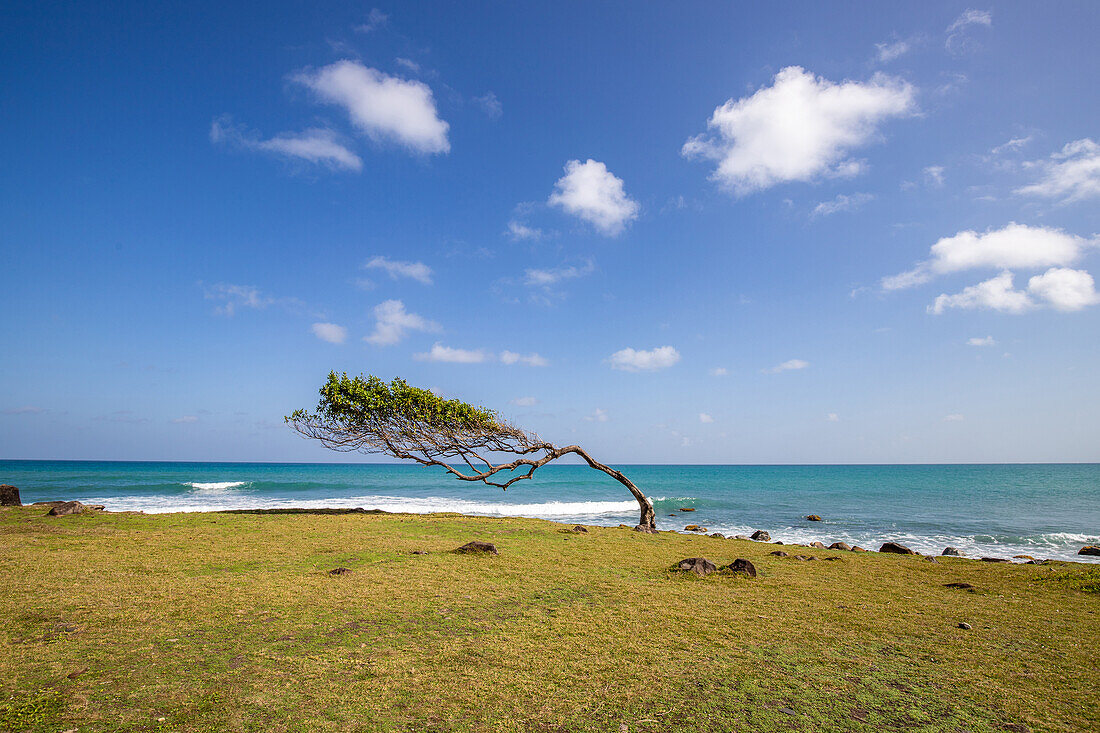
(198, 622)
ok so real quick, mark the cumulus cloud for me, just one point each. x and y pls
(416, 270)
(591, 192)
(789, 365)
(799, 129)
(1060, 288)
(315, 145)
(1016, 246)
(705, 418)
(392, 322)
(449, 355)
(1071, 174)
(532, 359)
(597, 416)
(524, 401)
(631, 360)
(1064, 289)
(383, 107)
(841, 203)
(958, 38)
(981, 341)
(997, 294)
(890, 51)
(330, 332)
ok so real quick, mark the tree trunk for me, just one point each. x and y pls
(647, 522)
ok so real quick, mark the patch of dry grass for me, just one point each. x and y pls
(231, 622)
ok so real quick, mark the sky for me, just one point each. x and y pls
(671, 233)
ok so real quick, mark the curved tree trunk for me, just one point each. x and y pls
(648, 520)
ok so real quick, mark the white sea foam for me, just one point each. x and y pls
(216, 485)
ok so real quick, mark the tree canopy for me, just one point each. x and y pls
(367, 415)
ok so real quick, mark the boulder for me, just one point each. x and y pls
(779, 553)
(686, 509)
(895, 548)
(645, 529)
(478, 547)
(740, 537)
(841, 546)
(741, 565)
(1089, 550)
(9, 495)
(761, 536)
(817, 545)
(779, 542)
(857, 548)
(804, 557)
(340, 571)
(951, 551)
(993, 559)
(698, 565)
(694, 528)
(66, 508)
(718, 535)
(579, 529)
(964, 626)
(813, 518)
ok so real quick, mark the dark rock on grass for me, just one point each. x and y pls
(9, 495)
(340, 571)
(960, 586)
(741, 565)
(804, 557)
(694, 528)
(779, 542)
(841, 546)
(857, 548)
(817, 545)
(419, 552)
(931, 559)
(965, 626)
(1089, 550)
(685, 509)
(813, 518)
(993, 559)
(833, 558)
(718, 535)
(895, 548)
(779, 553)
(950, 551)
(645, 529)
(477, 547)
(698, 565)
(761, 536)
(65, 508)
(580, 529)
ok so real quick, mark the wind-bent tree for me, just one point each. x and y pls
(370, 416)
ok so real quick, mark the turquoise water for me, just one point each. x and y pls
(1044, 510)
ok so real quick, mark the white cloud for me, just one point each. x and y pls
(1012, 145)
(518, 230)
(416, 270)
(799, 129)
(236, 296)
(315, 145)
(591, 192)
(597, 416)
(375, 20)
(524, 401)
(1064, 289)
(631, 360)
(408, 64)
(789, 365)
(451, 355)
(1011, 247)
(841, 203)
(705, 418)
(954, 417)
(958, 39)
(981, 341)
(392, 321)
(185, 420)
(718, 372)
(891, 51)
(547, 277)
(934, 174)
(383, 107)
(996, 294)
(1072, 174)
(330, 332)
(490, 105)
(832, 417)
(532, 359)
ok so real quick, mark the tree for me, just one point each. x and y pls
(396, 419)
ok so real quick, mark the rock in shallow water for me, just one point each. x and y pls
(812, 518)
(1089, 550)
(761, 536)
(951, 551)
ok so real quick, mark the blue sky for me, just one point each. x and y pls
(688, 233)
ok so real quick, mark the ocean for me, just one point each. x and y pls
(1043, 510)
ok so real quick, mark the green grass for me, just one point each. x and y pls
(217, 622)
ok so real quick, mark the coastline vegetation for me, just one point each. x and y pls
(232, 621)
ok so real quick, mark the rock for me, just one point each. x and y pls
(804, 557)
(740, 537)
(9, 495)
(779, 542)
(761, 536)
(841, 546)
(477, 547)
(779, 553)
(857, 548)
(698, 565)
(686, 509)
(951, 551)
(812, 518)
(741, 565)
(47, 503)
(817, 545)
(993, 559)
(964, 626)
(66, 508)
(644, 529)
(419, 552)
(931, 559)
(694, 528)
(718, 535)
(895, 548)
(960, 586)
(1033, 561)
(1089, 550)
(579, 529)
(624, 526)
(833, 558)
(340, 571)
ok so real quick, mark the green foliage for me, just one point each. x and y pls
(370, 401)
